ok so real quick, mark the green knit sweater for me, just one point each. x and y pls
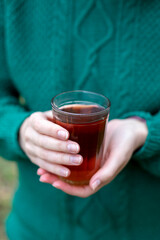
(107, 46)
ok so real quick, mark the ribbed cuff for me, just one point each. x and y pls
(17, 120)
(151, 146)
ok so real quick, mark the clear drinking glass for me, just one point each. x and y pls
(85, 115)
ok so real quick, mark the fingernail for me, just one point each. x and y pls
(95, 184)
(64, 172)
(73, 147)
(40, 171)
(62, 134)
(76, 159)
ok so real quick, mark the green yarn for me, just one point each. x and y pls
(111, 47)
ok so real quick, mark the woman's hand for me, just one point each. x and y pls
(123, 137)
(47, 145)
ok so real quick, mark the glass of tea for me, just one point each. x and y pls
(85, 115)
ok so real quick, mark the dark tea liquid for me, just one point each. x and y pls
(90, 138)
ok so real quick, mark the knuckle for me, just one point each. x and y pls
(56, 157)
(65, 159)
(40, 141)
(41, 153)
(59, 146)
(35, 121)
(33, 116)
(27, 134)
(62, 158)
(37, 125)
(27, 147)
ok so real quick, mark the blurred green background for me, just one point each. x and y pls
(8, 181)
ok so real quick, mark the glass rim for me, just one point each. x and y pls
(101, 112)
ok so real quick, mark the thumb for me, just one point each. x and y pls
(112, 166)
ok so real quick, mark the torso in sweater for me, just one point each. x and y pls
(110, 47)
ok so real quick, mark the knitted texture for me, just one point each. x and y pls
(109, 47)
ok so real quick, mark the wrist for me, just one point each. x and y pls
(21, 134)
(138, 118)
(141, 130)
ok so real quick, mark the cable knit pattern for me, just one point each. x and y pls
(124, 61)
(93, 50)
(110, 47)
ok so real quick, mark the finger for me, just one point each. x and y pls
(48, 178)
(41, 171)
(54, 157)
(52, 168)
(46, 127)
(79, 191)
(51, 143)
(113, 165)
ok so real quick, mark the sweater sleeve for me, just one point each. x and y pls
(12, 113)
(148, 156)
